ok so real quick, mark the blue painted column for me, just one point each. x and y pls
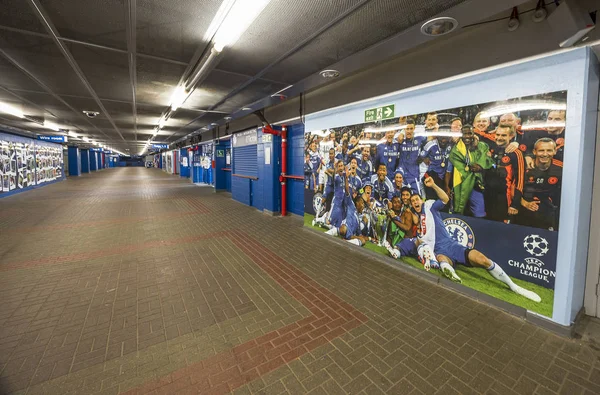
(99, 159)
(74, 161)
(85, 160)
(93, 161)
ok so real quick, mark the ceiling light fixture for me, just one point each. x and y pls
(239, 17)
(51, 125)
(246, 109)
(228, 118)
(161, 122)
(85, 139)
(178, 97)
(12, 110)
(439, 26)
(330, 73)
(214, 124)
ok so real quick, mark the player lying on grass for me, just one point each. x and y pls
(447, 251)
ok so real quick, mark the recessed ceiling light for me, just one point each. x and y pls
(330, 73)
(439, 26)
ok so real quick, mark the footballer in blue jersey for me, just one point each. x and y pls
(398, 183)
(309, 175)
(337, 213)
(447, 251)
(316, 162)
(354, 181)
(435, 156)
(365, 166)
(382, 186)
(387, 154)
(343, 155)
(329, 174)
(409, 156)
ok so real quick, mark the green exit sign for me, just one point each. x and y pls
(379, 113)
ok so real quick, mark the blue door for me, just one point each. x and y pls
(295, 167)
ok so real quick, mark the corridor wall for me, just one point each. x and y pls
(26, 163)
(578, 71)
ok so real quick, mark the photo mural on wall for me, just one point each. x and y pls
(469, 193)
(27, 164)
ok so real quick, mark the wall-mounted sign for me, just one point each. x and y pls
(97, 149)
(379, 113)
(249, 137)
(220, 153)
(160, 146)
(267, 138)
(53, 139)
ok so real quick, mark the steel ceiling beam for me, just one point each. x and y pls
(46, 88)
(131, 48)
(44, 18)
(124, 51)
(284, 56)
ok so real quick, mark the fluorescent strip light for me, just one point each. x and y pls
(523, 106)
(161, 122)
(11, 110)
(85, 139)
(178, 97)
(385, 129)
(51, 125)
(218, 19)
(238, 19)
(543, 125)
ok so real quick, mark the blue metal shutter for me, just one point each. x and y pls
(245, 161)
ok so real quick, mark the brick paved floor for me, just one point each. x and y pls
(132, 281)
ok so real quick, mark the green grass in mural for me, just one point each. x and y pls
(479, 280)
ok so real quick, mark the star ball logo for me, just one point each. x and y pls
(460, 231)
(535, 245)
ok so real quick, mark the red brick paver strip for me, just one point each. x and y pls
(331, 317)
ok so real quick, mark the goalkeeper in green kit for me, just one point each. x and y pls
(470, 158)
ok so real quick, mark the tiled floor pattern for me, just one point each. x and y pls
(129, 280)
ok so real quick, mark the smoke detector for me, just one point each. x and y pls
(439, 26)
(329, 73)
(91, 114)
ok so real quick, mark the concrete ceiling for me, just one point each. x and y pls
(124, 58)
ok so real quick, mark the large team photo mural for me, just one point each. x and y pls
(27, 163)
(471, 193)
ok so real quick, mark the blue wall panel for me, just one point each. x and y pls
(85, 160)
(244, 163)
(74, 161)
(295, 166)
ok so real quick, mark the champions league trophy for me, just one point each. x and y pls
(379, 219)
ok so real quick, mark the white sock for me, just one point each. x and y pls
(496, 271)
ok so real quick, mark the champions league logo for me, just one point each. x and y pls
(535, 245)
(533, 267)
(460, 231)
